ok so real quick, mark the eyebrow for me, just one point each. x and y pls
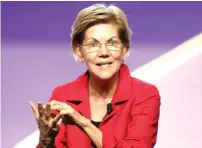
(98, 41)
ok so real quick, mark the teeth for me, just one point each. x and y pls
(104, 66)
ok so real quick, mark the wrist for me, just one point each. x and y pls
(80, 120)
(86, 122)
(46, 143)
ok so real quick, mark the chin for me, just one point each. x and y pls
(105, 76)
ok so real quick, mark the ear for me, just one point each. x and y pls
(79, 53)
(125, 53)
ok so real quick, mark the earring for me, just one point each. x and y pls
(81, 60)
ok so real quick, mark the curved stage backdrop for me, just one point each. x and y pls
(166, 50)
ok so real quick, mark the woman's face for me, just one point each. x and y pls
(102, 50)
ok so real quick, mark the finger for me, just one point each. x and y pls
(67, 110)
(60, 121)
(47, 112)
(64, 112)
(56, 107)
(34, 109)
(40, 110)
(56, 119)
(53, 102)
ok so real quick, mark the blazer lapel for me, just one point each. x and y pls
(122, 93)
(79, 99)
(80, 96)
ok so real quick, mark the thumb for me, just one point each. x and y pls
(34, 109)
(56, 119)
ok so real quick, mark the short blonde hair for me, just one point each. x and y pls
(96, 14)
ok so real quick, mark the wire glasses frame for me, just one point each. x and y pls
(113, 44)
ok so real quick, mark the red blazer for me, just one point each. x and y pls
(132, 123)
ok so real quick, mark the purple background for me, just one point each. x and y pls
(37, 54)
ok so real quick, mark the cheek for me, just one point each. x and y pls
(90, 58)
(117, 56)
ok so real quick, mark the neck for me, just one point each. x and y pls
(103, 89)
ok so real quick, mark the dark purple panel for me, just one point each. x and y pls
(150, 21)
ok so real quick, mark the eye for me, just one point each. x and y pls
(93, 44)
(113, 43)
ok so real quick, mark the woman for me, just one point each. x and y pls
(104, 107)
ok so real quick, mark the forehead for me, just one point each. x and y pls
(101, 32)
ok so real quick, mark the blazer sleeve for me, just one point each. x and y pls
(142, 131)
(60, 139)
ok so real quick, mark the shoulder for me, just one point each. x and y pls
(69, 89)
(142, 90)
(142, 85)
(66, 87)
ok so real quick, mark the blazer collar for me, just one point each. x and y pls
(122, 93)
(123, 89)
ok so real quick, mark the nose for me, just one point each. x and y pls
(103, 52)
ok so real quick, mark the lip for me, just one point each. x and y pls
(103, 63)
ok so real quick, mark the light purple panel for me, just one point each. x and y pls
(36, 51)
(181, 120)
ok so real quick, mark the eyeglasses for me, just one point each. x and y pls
(113, 44)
